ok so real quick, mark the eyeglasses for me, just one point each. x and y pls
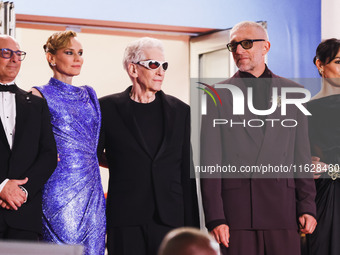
(153, 64)
(246, 44)
(8, 53)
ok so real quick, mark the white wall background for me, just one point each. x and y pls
(330, 19)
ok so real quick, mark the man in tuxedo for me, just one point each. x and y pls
(250, 213)
(28, 154)
(146, 136)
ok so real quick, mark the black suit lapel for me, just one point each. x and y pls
(169, 121)
(272, 132)
(126, 112)
(22, 100)
(3, 137)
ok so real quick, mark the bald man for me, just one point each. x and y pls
(253, 213)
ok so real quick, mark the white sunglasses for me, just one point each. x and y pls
(153, 64)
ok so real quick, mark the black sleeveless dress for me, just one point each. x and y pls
(324, 133)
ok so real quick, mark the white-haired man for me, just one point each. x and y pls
(146, 136)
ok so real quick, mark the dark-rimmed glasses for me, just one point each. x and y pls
(153, 64)
(246, 44)
(8, 53)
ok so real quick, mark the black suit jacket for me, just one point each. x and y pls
(250, 201)
(139, 184)
(33, 155)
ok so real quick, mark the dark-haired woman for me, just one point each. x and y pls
(324, 131)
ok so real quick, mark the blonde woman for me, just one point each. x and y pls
(73, 199)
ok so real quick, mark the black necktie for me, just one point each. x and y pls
(8, 88)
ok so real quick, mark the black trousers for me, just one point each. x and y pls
(9, 233)
(136, 240)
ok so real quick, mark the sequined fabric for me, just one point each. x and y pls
(73, 199)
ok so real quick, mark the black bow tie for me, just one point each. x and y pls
(9, 88)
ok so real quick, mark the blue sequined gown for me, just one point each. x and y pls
(73, 199)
